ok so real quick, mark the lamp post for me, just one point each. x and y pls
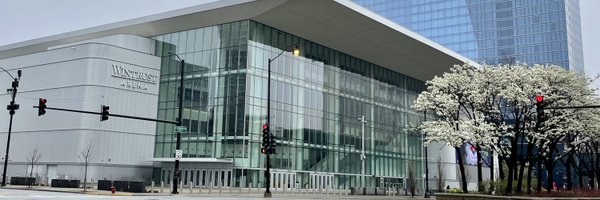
(11, 107)
(176, 172)
(268, 172)
(426, 163)
(362, 151)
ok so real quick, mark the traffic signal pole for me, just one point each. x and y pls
(269, 151)
(177, 173)
(268, 171)
(11, 107)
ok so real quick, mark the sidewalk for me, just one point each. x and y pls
(80, 191)
(221, 193)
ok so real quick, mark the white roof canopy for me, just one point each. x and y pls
(337, 24)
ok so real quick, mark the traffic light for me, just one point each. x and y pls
(540, 108)
(264, 150)
(42, 106)
(265, 139)
(272, 142)
(104, 113)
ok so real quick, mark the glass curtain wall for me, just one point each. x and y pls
(492, 32)
(316, 99)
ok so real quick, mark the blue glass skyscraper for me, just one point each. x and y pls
(495, 31)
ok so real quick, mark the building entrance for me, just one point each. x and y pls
(201, 177)
(321, 181)
(284, 180)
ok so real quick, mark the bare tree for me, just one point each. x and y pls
(85, 156)
(441, 181)
(412, 179)
(33, 157)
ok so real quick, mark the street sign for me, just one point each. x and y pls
(178, 154)
(181, 129)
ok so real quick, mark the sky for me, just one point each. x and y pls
(590, 29)
(22, 20)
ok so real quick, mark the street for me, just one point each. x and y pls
(19, 194)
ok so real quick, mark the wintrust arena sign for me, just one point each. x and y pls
(134, 79)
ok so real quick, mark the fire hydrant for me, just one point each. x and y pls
(112, 189)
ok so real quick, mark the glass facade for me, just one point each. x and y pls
(495, 31)
(316, 99)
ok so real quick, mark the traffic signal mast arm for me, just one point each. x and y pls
(573, 107)
(113, 115)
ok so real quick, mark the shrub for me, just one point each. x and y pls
(455, 190)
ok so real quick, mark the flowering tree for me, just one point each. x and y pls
(492, 108)
(450, 98)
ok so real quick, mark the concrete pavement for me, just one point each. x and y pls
(37, 192)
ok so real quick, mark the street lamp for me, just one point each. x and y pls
(11, 107)
(176, 172)
(362, 151)
(296, 52)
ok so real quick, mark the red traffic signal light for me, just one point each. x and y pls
(539, 99)
(42, 106)
(265, 131)
(540, 105)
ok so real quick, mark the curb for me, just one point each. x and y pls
(100, 193)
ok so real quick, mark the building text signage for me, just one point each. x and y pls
(133, 78)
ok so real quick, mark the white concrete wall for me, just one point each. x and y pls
(447, 155)
(80, 76)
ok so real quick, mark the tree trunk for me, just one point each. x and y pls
(520, 177)
(580, 180)
(461, 166)
(569, 179)
(596, 171)
(550, 178)
(597, 177)
(529, 171)
(512, 162)
(480, 187)
(85, 178)
(501, 167)
(539, 176)
(492, 166)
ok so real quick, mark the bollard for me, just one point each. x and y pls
(162, 184)
(152, 187)
(284, 187)
(191, 187)
(220, 187)
(181, 186)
